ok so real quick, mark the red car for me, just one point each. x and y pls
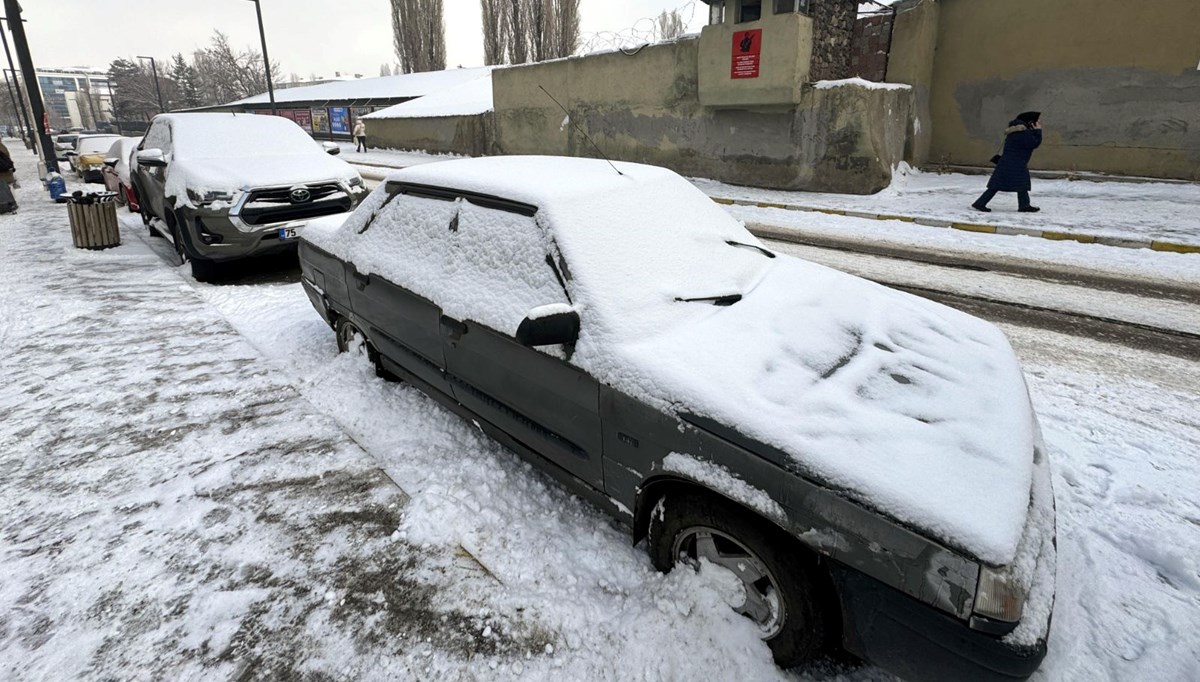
(116, 171)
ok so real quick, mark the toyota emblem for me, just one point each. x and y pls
(300, 195)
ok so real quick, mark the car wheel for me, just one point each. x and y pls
(351, 339)
(120, 195)
(204, 270)
(784, 593)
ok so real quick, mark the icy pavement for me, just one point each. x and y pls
(388, 158)
(195, 485)
(1150, 210)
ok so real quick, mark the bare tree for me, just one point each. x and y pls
(419, 35)
(536, 30)
(518, 31)
(385, 69)
(669, 25)
(495, 30)
(566, 29)
(224, 75)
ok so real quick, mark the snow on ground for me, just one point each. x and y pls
(1151, 210)
(388, 158)
(468, 99)
(162, 446)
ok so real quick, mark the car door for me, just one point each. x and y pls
(152, 180)
(393, 260)
(499, 272)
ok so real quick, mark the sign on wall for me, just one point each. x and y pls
(303, 118)
(747, 53)
(320, 121)
(339, 119)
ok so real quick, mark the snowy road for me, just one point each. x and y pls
(194, 485)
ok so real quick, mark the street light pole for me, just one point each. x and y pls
(266, 59)
(154, 68)
(22, 114)
(12, 10)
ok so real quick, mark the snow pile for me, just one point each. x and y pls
(910, 407)
(94, 144)
(468, 99)
(861, 83)
(227, 152)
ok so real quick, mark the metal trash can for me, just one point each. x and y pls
(94, 220)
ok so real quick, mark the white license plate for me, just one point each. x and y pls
(288, 233)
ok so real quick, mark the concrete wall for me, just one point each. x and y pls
(910, 60)
(1117, 80)
(787, 42)
(646, 108)
(464, 135)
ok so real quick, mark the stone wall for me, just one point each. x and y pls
(833, 34)
(645, 107)
(870, 47)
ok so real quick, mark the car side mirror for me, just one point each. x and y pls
(549, 325)
(331, 148)
(152, 158)
(111, 162)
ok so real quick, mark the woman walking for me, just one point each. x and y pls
(360, 136)
(1023, 135)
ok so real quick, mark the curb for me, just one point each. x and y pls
(1053, 235)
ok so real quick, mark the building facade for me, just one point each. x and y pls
(76, 98)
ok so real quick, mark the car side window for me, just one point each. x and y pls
(158, 137)
(498, 268)
(407, 242)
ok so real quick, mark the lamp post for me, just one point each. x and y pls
(12, 11)
(157, 90)
(22, 114)
(266, 60)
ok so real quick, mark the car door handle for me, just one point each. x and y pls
(453, 328)
(361, 281)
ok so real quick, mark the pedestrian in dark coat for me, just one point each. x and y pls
(1023, 135)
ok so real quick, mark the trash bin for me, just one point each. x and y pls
(94, 220)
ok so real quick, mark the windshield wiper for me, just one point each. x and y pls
(722, 301)
(759, 249)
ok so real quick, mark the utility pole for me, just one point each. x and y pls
(157, 90)
(13, 11)
(22, 112)
(266, 60)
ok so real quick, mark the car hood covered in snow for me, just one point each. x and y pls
(223, 175)
(904, 405)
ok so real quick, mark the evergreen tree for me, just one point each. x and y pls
(185, 78)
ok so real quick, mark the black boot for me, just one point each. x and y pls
(977, 207)
(1028, 209)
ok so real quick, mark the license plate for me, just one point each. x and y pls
(288, 233)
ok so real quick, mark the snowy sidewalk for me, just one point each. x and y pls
(1159, 216)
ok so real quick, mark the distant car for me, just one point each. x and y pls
(64, 143)
(116, 171)
(865, 462)
(230, 186)
(87, 158)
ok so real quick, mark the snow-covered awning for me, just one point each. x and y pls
(468, 99)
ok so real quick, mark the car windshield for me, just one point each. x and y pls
(96, 145)
(226, 136)
(67, 139)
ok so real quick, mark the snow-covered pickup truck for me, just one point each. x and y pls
(228, 186)
(865, 462)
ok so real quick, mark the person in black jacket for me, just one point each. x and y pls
(1023, 135)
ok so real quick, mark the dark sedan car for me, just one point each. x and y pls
(866, 462)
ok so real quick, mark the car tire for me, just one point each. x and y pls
(176, 239)
(350, 337)
(204, 270)
(792, 589)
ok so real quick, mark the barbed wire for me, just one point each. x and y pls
(643, 32)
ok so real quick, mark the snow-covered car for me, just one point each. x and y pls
(86, 159)
(117, 163)
(64, 143)
(230, 186)
(867, 463)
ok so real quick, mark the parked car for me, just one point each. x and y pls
(64, 143)
(230, 186)
(116, 171)
(87, 158)
(866, 462)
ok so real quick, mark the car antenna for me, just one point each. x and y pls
(581, 131)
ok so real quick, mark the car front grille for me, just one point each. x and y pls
(275, 205)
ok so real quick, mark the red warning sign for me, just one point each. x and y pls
(747, 53)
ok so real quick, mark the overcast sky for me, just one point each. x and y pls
(304, 36)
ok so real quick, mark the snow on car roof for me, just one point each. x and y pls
(383, 87)
(915, 409)
(228, 135)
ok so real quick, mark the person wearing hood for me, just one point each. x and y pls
(1023, 135)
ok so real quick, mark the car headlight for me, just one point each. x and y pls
(209, 197)
(999, 595)
(356, 181)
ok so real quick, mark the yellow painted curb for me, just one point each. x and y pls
(1068, 236)
(901, 218)
(763, 204)
(726, 202)
(972, 227)
(1175, 248)
(830, 211)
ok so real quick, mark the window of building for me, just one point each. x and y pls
(791, 6)
(750, 10)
